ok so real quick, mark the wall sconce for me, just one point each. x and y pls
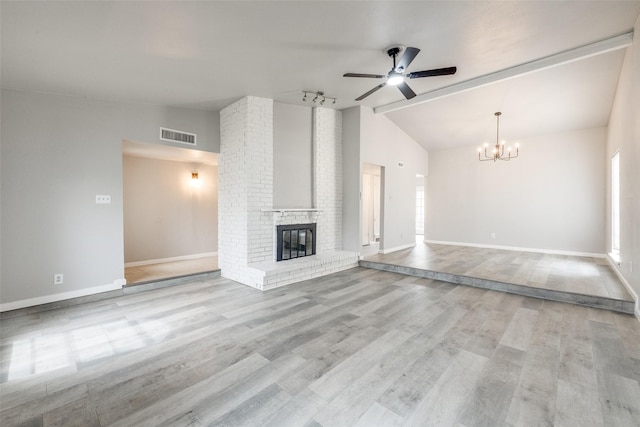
(194, 175)
(319, 97)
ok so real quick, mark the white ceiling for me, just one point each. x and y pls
(167, 152)
(207, 54)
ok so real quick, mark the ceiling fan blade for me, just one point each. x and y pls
(372, 76)
(432, 73)
(361, 97)
(406, 90)
(409, 54)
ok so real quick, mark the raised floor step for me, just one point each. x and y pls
(618, 305)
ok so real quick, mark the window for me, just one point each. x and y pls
(420, 209)
(615, 204)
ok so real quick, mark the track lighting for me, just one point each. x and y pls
(319, 97)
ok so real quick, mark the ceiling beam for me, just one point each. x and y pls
(582, 52)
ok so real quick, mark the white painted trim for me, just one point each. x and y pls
(515, 248)
(397, 248)
(614, 257)
(162, 260)
(285, 210)
(615, 265)
(117, 284)
(582, 52)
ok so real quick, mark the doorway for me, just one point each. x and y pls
(170, 201)
(371, 233)
(420, 205)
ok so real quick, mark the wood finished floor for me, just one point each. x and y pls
(165, 270)
(576, 274)
(356, 348)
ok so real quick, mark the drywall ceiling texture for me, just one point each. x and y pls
(542, 102)
(206, 55)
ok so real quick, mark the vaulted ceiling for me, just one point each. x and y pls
(205, 55)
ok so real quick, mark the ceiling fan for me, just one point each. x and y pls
(396, 76)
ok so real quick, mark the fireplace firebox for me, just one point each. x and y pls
(295, 241)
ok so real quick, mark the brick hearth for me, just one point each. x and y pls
(247, 217)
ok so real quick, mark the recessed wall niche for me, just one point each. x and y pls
(292, 156)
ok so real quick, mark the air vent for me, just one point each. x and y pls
(177, 136)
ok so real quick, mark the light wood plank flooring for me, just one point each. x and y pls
(165, 270)
(576, 274)
(356, 348)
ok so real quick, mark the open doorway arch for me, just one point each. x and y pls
(170, 211)
(372, 228)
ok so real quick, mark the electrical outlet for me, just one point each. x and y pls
(58, 279)
(493, 235)
(103, 199)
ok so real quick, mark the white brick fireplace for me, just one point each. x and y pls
(248, 220)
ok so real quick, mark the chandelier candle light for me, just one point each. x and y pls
(499, 150)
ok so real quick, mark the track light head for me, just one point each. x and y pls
(319, 97)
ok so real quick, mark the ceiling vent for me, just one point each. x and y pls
(173, 135)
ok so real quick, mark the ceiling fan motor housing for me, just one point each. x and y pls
(393, 51)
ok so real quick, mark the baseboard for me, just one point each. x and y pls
(162, 260)
(615, 264)
(397, 248)
(117, 284)
(515, 248)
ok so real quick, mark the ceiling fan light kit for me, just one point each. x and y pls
(498, 152)
(396, 76)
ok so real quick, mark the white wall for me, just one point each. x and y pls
(624, 135)
(371, 138)
(551, 197)
(292, 156)
(166, 213)
(384, 144)
(351, 167)
(58, 153)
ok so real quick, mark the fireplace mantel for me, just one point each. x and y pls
(283, 211)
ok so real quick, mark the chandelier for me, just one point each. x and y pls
(499, 152)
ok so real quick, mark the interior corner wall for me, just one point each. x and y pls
(385, 144)
(166, 213)
(58, 153)
(351, 177)
(550, 198)
(624, 135)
